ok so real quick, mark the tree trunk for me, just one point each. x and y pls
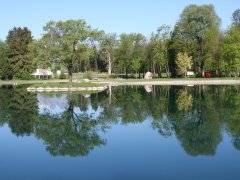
(109, 64)
(70, 70)
(96, 64)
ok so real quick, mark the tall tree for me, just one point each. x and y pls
(5, 72)
(231, 48)
(124, 52)
(18, 41)
(236, 17)
(67, 37)
(108, 47)
(159, 43)
(138, 59)
(196, 32)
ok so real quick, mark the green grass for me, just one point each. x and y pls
(60, 81)
(62, 85)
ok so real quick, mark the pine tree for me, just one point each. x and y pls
(18, 41)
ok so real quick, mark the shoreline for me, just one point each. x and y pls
(117, 82)
(179, 82)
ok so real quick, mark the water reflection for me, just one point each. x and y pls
(73, 124)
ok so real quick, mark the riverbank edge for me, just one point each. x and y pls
(178, 82)
(117, 82)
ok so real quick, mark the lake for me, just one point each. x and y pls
(126, 132)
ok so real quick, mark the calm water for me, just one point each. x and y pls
(159, 132)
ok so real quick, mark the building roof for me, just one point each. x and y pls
(42, 72)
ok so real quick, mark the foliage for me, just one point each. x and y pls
(236, 17)
(184, 62)
(67, 38)
(18, 41)
(108, 44)
(75, 46)
(88, 75)
(197, 33)
(158, 49)
(231, 51)
(5, 72)
(62, 76)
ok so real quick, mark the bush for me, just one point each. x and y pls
(26, 76)
(113, 76)
(87, 75)
(62, 76)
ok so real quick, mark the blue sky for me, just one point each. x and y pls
(143, 16)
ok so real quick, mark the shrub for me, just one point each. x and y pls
(26, 76)
(62, 76)
(87, 75)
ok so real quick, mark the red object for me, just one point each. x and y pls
(207, 74)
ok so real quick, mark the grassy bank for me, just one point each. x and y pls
(64, 83)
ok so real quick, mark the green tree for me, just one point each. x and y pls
(5, 71)
(183, 62)
(196, 32)
(18, 41)
(236, 17)
(159, 47)
(67, 38)
(137, 58)
(231, 49)
(130, 53)
(124, 52)
(108, 46)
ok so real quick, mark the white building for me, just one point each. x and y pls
(43, 73)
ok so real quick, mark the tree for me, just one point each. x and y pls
(67, 37)
(5, 72)
(196, 32)
(108, 46)
(236, 17)
(130, 53)
(159, 43)
(231, 48)
(18, 41)
(137, 57)
(183, 62)
(124, 52)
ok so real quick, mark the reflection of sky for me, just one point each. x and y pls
(58, 103)
(134, 151)
(54, 103)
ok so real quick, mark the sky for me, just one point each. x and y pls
(122, 16)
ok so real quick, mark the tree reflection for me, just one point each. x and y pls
(71, 132)
(196, 116)
(20, 109)
(184, 100)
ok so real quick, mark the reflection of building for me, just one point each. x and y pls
(43, 73)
